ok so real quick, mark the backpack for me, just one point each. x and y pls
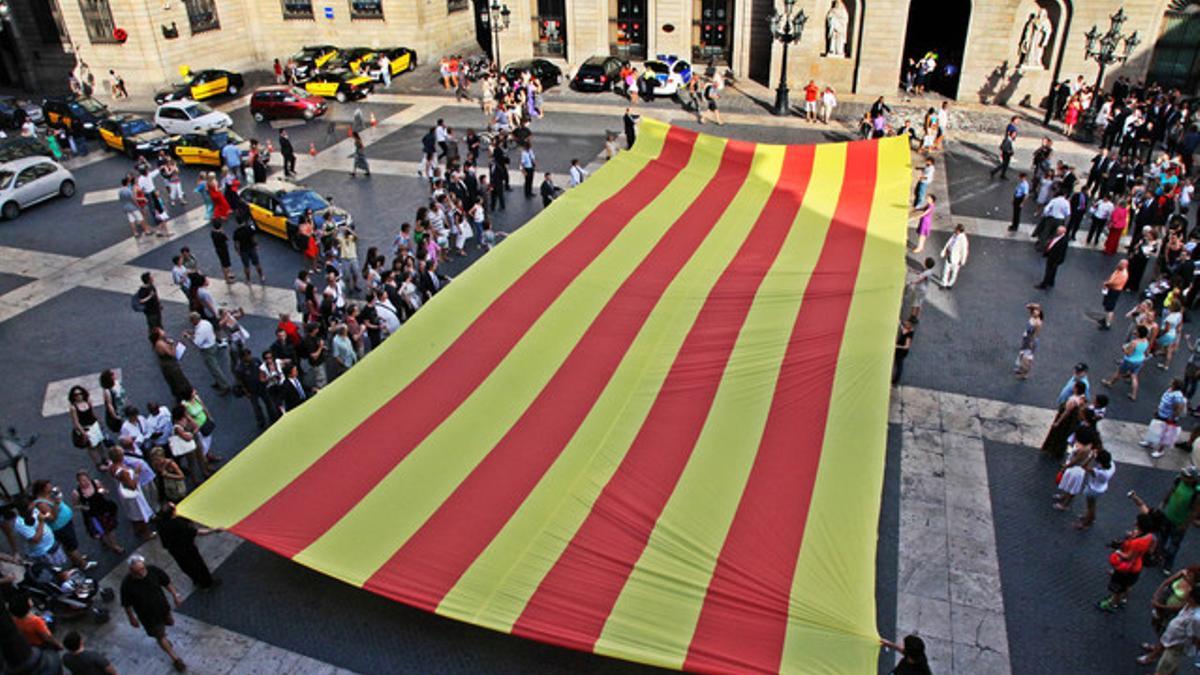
(135, 303)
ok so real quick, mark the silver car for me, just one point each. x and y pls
(28, 181)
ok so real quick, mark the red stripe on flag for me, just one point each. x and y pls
(424, 570)
(314, 501)
(743, 623)
(575, 598)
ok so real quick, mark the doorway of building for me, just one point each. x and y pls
(761, 41)
(483, 27)
(551, 23)
(937, 28)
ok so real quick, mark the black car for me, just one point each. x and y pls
(203, 84)
(135, 136)
(75, 112)
(597, 74)
(547, 73)
(14, 112)
(19, 147)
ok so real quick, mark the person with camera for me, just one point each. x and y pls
(59, 517)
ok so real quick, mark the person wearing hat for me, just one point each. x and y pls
(1181, 507)
(914, 661)
(1080, 375)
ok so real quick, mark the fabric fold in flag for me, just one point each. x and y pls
(650, 424)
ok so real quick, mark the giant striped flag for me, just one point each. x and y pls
(650, 424)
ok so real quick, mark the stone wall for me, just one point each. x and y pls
(252, 33)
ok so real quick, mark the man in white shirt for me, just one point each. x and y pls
(528, 166)
(158, 425)
(214, 352)
(1101, 211)
(1055, 213)
(578, 174)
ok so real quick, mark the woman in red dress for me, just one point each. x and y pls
(1117, 223)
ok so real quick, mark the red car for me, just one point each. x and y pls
(280, 101)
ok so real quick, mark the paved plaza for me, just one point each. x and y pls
(971, 555)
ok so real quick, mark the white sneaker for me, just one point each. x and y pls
(1144, 444)
(1158, 453)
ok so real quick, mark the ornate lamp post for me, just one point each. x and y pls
(1103, 49)
(786, 28)
(497, 18)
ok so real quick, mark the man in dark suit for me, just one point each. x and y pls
(1006, 154)
(292, 391)
(548, 189)
(1055, 253)
(288, 152)
(1101, 164)
(428, 280)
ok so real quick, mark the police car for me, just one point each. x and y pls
(672, 73)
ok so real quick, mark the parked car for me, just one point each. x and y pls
(598, 73)
(20, 147)
(184, 117)
(133, 135)
(202, 84)
(352, 59)
(277, 207)
(672, 73)
(29, 181)
(311, 58)
(282, 101)
(340, 84)
(547, 73)
(75, 112)
(14, 111)
(204, 148)
(402, 60)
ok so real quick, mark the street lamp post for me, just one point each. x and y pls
(1103, 49)
(786, 28)
(497, 18)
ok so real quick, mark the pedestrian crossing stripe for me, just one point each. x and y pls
(651, 424)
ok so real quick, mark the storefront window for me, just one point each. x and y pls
(627, 28)
(366, 9)
(202, 15)
(97, 16)
(297, 9)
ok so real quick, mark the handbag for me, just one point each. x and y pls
(94, 436)
(208, 427)
(78, 438)
(180, 447)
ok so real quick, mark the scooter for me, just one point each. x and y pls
(66, 594)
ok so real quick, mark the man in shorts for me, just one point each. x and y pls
(137, 222)
(712, 94)
(146, 606)
(811, 93)
(247, 247)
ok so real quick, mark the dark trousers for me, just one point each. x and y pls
(1045, 229)
(189, 560)
(1051, 273)
(528, 182)
(1016, 214)
(1096, 229)
(1074, 223)
(289, 164)
(497, 196)
(1002, 169)
(261, 403)
(154, 319)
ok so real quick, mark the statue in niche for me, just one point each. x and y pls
(837, 25)
(1035, 37)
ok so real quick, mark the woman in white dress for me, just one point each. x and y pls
(129, 492)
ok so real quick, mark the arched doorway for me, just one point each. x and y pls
(940, 27)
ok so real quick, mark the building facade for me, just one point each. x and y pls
(997, 50)
(161, 36)
(989, 50)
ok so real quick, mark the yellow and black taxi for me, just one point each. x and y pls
(312, 58)
(340, 84)
(75, 112)
(204, 148)
(353, 59)
(201, 85)
(400, 60)
(135, 136)
(278, 207)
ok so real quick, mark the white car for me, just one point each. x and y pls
(28, 181)
(189, 117)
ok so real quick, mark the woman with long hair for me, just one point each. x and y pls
(85, 428)
(1029, 341)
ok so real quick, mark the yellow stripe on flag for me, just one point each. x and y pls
(364, 539)
(284, 451)
(657, 611)
(833, 588)
(495, 589)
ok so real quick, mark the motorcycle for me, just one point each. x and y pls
(65, 593)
